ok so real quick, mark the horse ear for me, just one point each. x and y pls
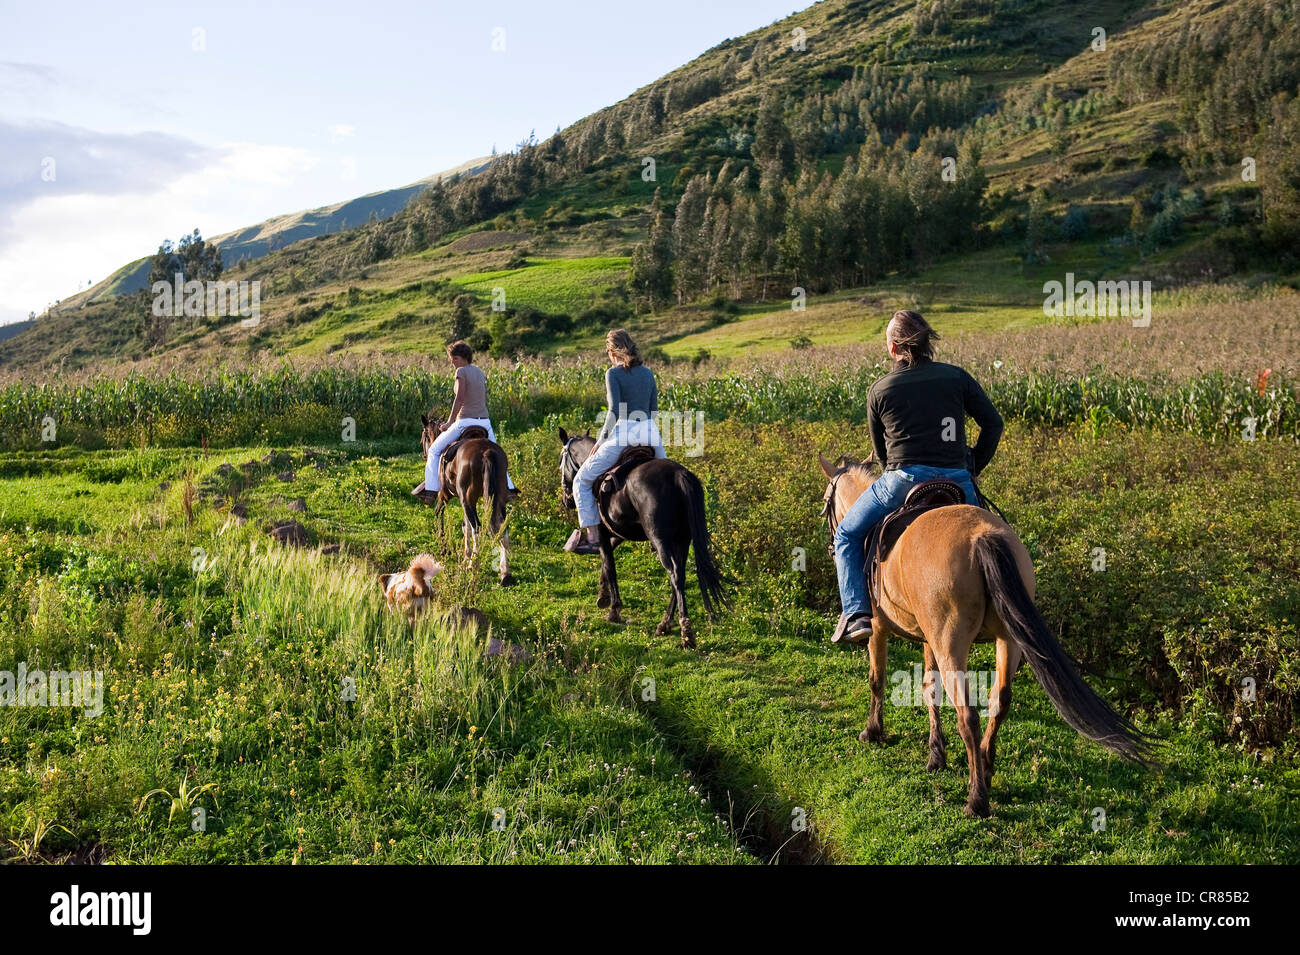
(424, 419)
(564, 436)
(588, 432)
(827, 468)
(850, 462)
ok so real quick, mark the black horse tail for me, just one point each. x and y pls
(494, 485)
(1078, 704)
(713, 582)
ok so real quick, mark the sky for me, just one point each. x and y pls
(123, 124)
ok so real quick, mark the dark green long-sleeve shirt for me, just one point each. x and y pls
(917, 415)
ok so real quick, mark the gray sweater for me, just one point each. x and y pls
(628, 391)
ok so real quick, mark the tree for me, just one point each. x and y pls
(193, 258)
(652, 260)
(462, 318)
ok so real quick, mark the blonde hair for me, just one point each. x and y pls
(913, 336)
(625, 351)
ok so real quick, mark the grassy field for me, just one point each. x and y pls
(225, 658)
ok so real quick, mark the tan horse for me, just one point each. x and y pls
(477, 471)
(960, 575)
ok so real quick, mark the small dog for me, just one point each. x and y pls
(411, 591)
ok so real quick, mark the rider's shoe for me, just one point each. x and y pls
(578, 544)
(855, 628)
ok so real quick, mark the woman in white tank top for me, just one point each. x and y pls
(468, 410)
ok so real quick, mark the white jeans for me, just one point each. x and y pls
(643, 431)
(432, 480)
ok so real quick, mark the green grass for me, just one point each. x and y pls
(231, 674)
(556, 286)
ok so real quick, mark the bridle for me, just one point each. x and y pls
(568, 470)
(828, 508)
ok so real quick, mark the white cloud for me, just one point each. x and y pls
(340, 132)
(54, 241)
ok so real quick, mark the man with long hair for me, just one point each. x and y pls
(917, 418)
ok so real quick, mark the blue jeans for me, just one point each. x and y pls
(886, 494)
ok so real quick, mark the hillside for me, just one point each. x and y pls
(819, 167)
(255, 241)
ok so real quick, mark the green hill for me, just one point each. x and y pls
(957, 153)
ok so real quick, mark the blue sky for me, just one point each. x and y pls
(162, 117)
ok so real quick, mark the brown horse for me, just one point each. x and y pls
(477, 471)
(958, 575)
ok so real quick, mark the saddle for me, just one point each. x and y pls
(926, 496)
(613, 480)
(475, 432)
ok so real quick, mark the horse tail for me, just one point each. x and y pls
(712, 581)
(494, 485)
(1078, 704)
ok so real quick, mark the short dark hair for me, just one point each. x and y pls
(913, 336)
(461, 350)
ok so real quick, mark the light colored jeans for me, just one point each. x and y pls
(432, 480)
(626, 433)
(886, 494)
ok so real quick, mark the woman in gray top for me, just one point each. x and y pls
(468, 409)
(633, 401)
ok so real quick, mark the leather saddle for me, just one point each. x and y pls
(926, 496)
(613, 480)
(469, 434)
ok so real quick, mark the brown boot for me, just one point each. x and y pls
(579, 544)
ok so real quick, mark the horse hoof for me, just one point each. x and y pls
(688, 641)
(662, 629)
(603, 601)
(508, 580)
(936, 765)
(872, 734)
(979, 810)
(614, 616)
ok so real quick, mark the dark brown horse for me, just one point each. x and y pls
(475, 472)
(958, 575)
(662, 502)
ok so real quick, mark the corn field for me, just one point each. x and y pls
(289, 403)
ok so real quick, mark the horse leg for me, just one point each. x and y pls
(879, 646)
(676, 567)
(471, 527)
(953, 655)
(506, 578)
(609, 577)
(933, 693)
(666, 623)
(1008, 656)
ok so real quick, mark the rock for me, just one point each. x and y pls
(164, 485)
(320, 465)
(329, 549)
(290, 533)
(515, 653)
(225, 469)
(239, 512)
(287, 476)
(298, 505)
